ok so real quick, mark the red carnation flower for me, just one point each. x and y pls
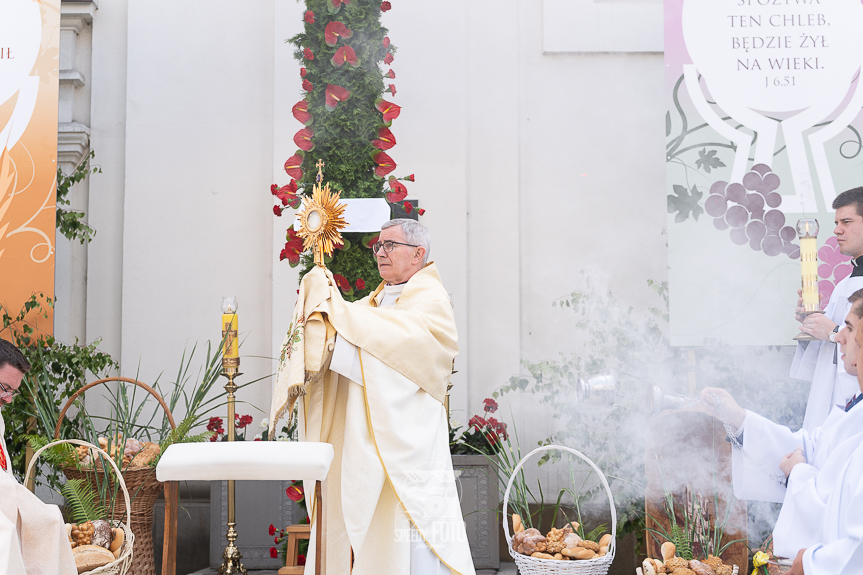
(410, 178)
(345, 54)
(391, 75)
(388, 59)
(335, 30)
(292, 166)
(342, 282)
(385, 164)
(421, 211)
(408, 207)
(386, 6)
(307, 86)
(334, 95)
(392, 89)
(489, 405)
(385, 139)
(278, 211)
(302, 72)
(294, 492)
(389, 110)
(301, 112)
(398, 193)
(386, 41)
(303, 139)
(272, 529)
(309, 17)
(274, 553)
(308, 54)
(360, 283)
(274, 188)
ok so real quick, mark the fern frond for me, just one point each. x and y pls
(596, 533)
(681, 542)
(57, 456)
(81, 501)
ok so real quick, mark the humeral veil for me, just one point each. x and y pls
(392, 469)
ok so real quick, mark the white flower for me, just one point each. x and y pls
(453, 423)
(265, 423)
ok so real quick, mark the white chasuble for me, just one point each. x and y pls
(817, 361)
(765, 443)
(33, 538)
(390, 496)
(823, 513)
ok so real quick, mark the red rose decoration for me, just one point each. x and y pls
(307, 86)
(410, 178)
(272, 529)
(301, 112)
(385, 6)
(334, 95)
(386, 42)
(334, 31)
(391, 75)
(360, 283)
(274, 553)
(388, 59)
(385, 139)
(308, 54)
(303, 139)
(345, 54)
(385, 164)
(309, 17)
(408, 207)
(302, 72)
(399, 191)
(294, 492)
(389, 110)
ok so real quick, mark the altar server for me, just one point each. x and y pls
(372, 377)
(816, 361)
(33, 538)
(755, 469)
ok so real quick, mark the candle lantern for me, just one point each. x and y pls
(807, 232)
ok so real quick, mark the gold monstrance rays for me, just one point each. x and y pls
(321, 219)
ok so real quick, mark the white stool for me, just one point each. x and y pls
(241, 461)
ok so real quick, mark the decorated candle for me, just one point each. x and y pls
(229, 329)
(807, 232)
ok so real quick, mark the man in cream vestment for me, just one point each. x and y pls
(371, 377)
(33, 538)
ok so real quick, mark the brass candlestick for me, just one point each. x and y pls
(231, 555)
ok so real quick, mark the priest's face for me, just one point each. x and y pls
(847, 340)
(849, 231)
(10, 381)
(400, 264)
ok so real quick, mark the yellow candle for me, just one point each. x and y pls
(229, 334)
(809, 271)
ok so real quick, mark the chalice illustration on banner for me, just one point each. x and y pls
(807, 232)
(321, 219)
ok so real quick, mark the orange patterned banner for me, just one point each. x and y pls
(29, 87)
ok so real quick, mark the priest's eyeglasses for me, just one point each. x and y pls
(389, 246)
(7, 394)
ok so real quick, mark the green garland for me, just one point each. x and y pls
(343, 130)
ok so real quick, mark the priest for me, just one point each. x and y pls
(371, 378)
(33, 538)
(815, 361)
(756, 470)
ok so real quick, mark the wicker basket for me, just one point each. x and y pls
(119, 566)
(533, 566)
(734, 570)
(141, 483)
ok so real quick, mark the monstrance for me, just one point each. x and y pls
(321, 219)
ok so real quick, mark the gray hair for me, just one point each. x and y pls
(414, 232)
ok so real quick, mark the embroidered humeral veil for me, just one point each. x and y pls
(392, 468)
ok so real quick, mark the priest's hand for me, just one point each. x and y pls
(818, 325)
(790, 460)
(318, 276)
(733, 412)
(797, 566)
(799, 313)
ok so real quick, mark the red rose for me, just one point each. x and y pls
(308, 54)
(272, 529)
(388, 59)
(294, 492)
(398, 193)
(489, 405)
(309, 17)
(386, 42)
(389, 110)
(385, 164)
(302, 72)
(301, 559)
(360, 283)
(292, 166)
(303, 139)
(307, 86)
(392, 89)
(421, 211)
(345, 54)
(391, 75)
(411, 178)
(385, 139)
(274, 553)
(335, 30)
(386, 6)
(335, 94)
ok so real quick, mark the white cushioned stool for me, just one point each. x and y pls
(243, 461)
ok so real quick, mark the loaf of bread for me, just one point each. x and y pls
(149, 452)
(89, 557)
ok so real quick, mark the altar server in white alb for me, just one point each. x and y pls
(33, 538)
(755, 469)
(816, 361)
(821, 521)
(371, 377)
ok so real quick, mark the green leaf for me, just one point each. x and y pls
(81, 500)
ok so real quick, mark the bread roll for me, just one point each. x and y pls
(605, 540)
(118, 536)
(101, 533)
(668, 550)
(89, 557)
